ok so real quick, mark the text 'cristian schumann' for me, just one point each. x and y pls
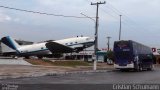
(136, 87)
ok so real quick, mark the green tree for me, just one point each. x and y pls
(110, 55)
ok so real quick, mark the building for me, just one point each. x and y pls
(101, 56)
(85, 55)
(156, 53)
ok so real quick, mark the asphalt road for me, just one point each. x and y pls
(92, 78)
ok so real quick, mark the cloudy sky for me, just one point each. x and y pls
(140, 20)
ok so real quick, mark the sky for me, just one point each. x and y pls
(140, 20)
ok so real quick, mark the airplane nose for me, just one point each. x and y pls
(91, 43)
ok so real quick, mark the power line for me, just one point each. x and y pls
(126, 18)
(109, 13)
(105, 11)
(37, 12)
(116, 11)
(116, 17)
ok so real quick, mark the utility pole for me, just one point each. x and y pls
(120, 28)
(108, 42)
(96, 34)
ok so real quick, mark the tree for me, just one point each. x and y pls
(110, 55)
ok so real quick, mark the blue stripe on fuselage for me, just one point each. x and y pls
(81, 43)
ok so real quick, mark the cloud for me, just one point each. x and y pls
(10, 18)
(47, 2)
(4, 18)
(138, 16)
(16, 20)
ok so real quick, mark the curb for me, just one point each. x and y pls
(77, 72)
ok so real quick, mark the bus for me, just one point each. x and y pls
(129, 54)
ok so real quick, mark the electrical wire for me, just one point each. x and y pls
(37, 12)
(114, 12)
(126, 19)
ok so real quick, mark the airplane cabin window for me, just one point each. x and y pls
(71, 43)
(87, 39)
(41, 47)
(66, 44)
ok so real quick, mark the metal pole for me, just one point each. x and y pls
(108, 43)
(120, 28)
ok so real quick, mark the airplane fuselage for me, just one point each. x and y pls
(75, 44)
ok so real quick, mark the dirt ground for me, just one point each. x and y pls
(17, 71)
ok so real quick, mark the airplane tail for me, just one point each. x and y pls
(8, 45)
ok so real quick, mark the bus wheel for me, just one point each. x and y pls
(39, 57)
(122, 70)
(26, 57)
(151, 68)
(140, 68)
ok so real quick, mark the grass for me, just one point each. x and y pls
(71, 63)
(58, 63)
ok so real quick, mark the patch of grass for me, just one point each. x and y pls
(58, 63)
(71, 63)
(39, 62)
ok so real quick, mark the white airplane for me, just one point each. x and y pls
(48, 48)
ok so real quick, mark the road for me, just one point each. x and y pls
(86, 81)
(109, 77)
(12, 61)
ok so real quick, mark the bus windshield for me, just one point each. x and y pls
(122, 44)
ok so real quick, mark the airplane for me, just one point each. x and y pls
(47, 48)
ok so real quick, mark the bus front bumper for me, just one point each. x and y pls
(124, 67)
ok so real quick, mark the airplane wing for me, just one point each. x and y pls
(58, 48)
